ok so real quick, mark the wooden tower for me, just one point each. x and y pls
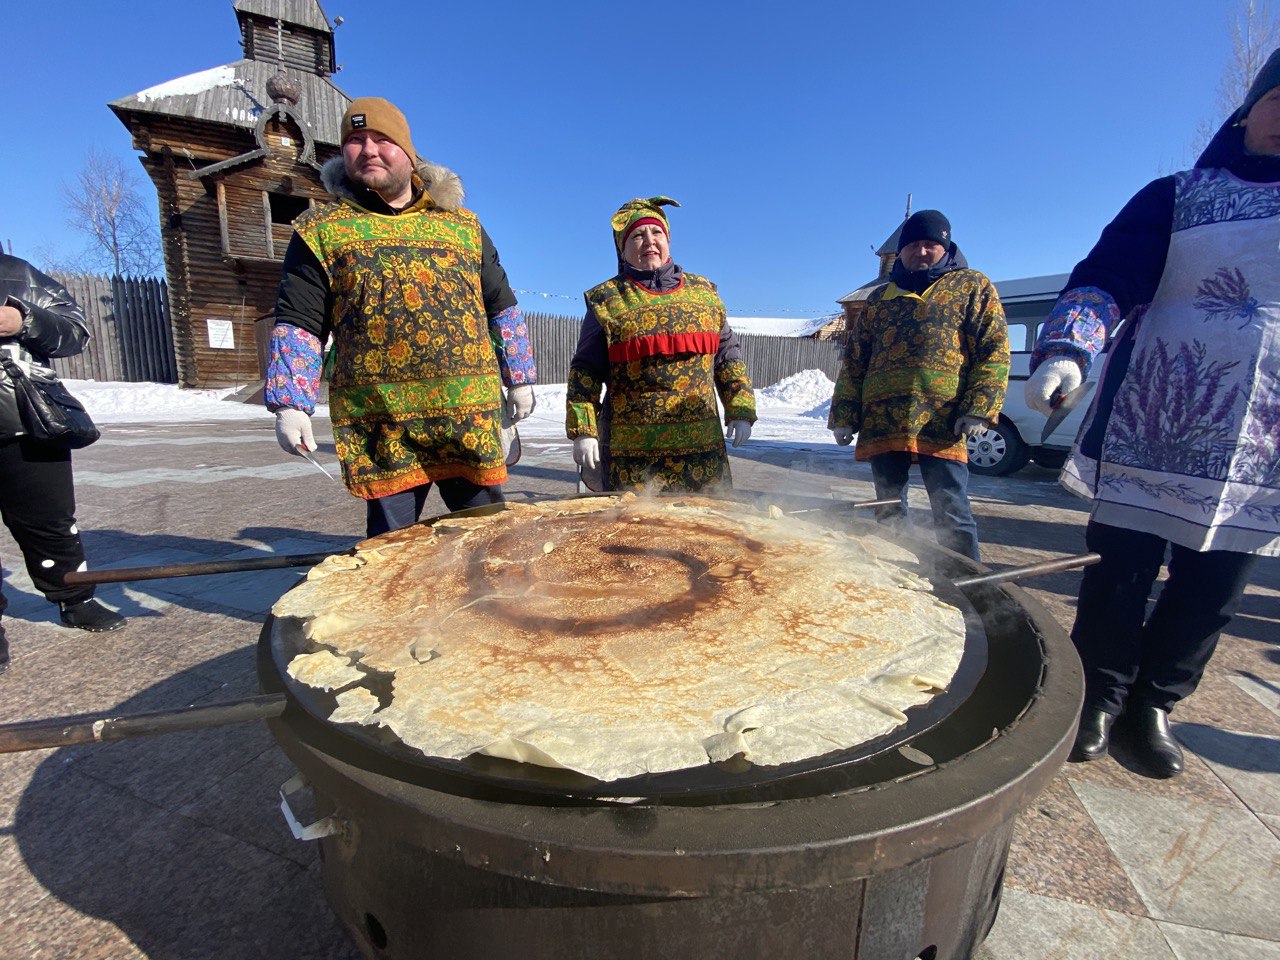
(235, 154)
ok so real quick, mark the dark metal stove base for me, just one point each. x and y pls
(399, 902)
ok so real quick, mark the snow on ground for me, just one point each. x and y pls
(791, 409)
(109, 402)
(778, 326)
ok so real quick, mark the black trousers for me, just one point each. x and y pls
(38, 505)
(401, 509)
(1157, 660)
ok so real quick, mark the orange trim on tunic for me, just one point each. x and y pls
(665, 345)
(372, 490)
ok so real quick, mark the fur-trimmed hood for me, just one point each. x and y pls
(444, 186)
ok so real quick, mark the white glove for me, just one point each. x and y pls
(520, 402)
(971, 426)
(1056, 376)
(843, 435)
(292, 428)
(739, 432)
(586, 452)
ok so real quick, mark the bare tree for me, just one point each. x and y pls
(1255, 32)
(105, 205)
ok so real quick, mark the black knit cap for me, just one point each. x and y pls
(926, 225)
(1267, 79)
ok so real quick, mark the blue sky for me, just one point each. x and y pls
(791, 133)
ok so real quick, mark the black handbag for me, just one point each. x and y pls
(48, 410)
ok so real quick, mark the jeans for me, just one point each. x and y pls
(1154, 660)
(401, 509)
(947, 482)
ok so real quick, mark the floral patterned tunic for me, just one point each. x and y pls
(663, 377)
(1182, 441)
(415, 389)
(917, 364)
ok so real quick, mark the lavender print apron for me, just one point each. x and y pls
(1189, 429)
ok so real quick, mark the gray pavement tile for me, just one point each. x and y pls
(1198, 783)
(93, 674)
(1248, 763)
(1266, 690)
(246, 805)
(20, 892)
(177, 889)
(1057, 851)
(1192, 943)
(1034, 926)
(1272, 823)
(1217, 703)
(51, 930)
(1198, 864)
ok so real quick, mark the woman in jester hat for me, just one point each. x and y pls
(657, 338)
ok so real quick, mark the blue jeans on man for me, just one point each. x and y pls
(947, 482)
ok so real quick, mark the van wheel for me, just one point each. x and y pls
(997, 451)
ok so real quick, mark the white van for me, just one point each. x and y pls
(1013, 441)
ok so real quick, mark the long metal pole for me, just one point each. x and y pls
(1035, 569)
(128, 574)
(69, 731)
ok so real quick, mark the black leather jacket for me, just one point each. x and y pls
(53, 326)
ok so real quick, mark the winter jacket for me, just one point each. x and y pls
(1183, 438)
(53, 327)
(917, 363)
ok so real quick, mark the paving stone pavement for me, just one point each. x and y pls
(173, 847)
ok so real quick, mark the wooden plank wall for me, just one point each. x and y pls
(768, 359)
(129, 334)
(238, 284)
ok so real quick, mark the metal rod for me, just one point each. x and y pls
(127, 574)
(867, 504)
(1035, 569)
(88, 728)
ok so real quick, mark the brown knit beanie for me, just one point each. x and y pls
(374, 113)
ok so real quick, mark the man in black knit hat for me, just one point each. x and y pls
(924, 370)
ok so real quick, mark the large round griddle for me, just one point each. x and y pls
(733, 780)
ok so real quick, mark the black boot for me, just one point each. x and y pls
(1152, 742)
(4, 651)
(90, 615)
(1094, 735)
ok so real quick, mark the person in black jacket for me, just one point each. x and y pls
(38, 321)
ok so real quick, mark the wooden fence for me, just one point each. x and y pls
(768, 359)
(129, 334)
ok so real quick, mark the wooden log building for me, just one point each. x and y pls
(235, 154)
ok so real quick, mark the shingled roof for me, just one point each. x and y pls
(304, 13)
(236, 93)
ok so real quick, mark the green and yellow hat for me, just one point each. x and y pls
(635, 212)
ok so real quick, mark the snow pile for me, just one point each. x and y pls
(821, 412)
(109, 402)
(778, 326)
(806, 390)
(193, 83)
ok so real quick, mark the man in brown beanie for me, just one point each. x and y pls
(925, 370)
(426, 331)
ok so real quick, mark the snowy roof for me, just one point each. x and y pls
(236, 94)
(1032, 288)
(305, 13)
(778, 327)
(864, 291)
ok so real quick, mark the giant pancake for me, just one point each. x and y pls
(619, 636)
